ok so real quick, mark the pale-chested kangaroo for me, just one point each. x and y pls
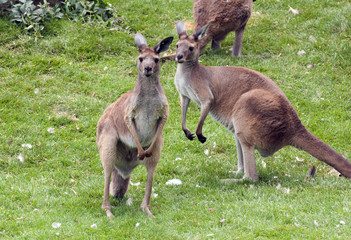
(129, 133)
(248, 104)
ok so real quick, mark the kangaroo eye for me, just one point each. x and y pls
(140, 59)
(177, 45)
(156, 60)
(191, 49)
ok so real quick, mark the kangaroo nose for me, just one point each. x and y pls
(179, 57)
(148, 69)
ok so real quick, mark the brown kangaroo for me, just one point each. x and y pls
(225, 17)
(248, 104)
(134, 123)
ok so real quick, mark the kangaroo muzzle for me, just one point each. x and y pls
(148, 71)
(180, 58)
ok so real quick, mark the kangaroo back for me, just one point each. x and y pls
(225, 17)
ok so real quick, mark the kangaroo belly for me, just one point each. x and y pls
(226, 121)
(145, 130)
(146, 127)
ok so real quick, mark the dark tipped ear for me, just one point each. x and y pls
(181, 28)
(163, 45)
(140, 41)
(200, 34)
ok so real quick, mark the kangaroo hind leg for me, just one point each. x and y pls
(151, 163)
(250, 168)
(239, 34)
(240, 156)
(240, 161)
(108, 155)
(248, 164)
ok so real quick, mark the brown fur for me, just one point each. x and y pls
(129, 133)
(225, 17)
(248, 104)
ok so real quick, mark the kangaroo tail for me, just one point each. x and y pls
(306, 141)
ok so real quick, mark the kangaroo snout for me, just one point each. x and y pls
(148, 71)
(180, 58)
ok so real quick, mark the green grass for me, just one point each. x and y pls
(66, 79)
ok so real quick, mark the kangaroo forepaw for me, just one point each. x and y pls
(189, 135)
(141, 156)
(201, 138)
(148, 153)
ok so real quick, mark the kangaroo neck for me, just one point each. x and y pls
(147, 85)
(188, 66)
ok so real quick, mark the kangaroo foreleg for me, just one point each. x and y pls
(205, 109)
(185, 104)
(161, 123)
(129, 120)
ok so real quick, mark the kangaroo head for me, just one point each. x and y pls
(187, 45)
(149, 58)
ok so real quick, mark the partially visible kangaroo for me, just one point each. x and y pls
(134, 123)
(225, 16)
(248, 104)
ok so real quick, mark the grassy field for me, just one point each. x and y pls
(54, 89)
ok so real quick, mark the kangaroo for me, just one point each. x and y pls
(225, 16)
(133, 123)
(248, 104)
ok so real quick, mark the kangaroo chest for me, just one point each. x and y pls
(146, 118)
(184, 87)
(183, 84)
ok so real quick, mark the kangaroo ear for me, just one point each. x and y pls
(200, 34)
(163, 45)
(181, 28)
(140, 41)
